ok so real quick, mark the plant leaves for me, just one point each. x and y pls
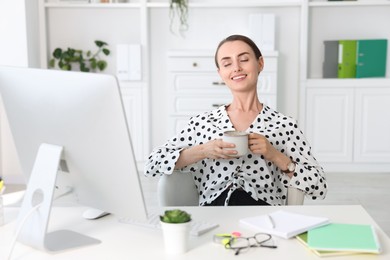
(106, 51)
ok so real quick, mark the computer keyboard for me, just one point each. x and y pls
(197, 227)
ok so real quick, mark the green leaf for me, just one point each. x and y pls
(93, 63)
(175, 216)
(106, 51)
(66, 67)
(52, 63)
(101, 65)
(100, 43)
(57, 53)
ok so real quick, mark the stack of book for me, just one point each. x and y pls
(341, 239)
(355, 58)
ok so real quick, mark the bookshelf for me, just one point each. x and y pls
(344, 118)
(302, 25)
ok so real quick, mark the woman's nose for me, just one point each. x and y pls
(236, 66)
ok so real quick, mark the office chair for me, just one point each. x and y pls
(178, 189)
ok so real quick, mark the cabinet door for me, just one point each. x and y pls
(372, 137)
(329, 129)
(132, 102)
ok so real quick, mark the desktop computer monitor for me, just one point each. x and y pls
(76, 121)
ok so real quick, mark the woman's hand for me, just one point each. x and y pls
(258, 144)
(215, 149)
(211, 150)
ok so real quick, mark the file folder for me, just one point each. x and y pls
(347, 59)
(330, 65)
(371, 58)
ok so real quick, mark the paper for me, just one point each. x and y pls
(286, 224)
(344, 237)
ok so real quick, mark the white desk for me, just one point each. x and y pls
(124, 241)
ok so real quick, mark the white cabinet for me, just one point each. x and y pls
(372, 135)
(330, 124)
(347, 123)
(345, 119)
(133, 104)
(196, 87)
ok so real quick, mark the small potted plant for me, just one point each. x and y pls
(175, 225)
(178, 9)
(85, 61)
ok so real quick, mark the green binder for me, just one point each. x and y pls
(371, 58)
(347, 59)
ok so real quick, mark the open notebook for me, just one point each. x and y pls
(283, 223)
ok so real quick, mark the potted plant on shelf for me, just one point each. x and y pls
(85, 61)
(175, 225)
(179, 9)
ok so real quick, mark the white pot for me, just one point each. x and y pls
(176, 237)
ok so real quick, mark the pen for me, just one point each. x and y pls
(271, 221)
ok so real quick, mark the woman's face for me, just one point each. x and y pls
(238, 66)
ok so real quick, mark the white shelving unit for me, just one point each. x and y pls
(345, 119)
(304, 23)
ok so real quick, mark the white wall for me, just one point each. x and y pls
(207, 27)
(18, 47)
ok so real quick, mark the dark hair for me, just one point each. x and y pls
(237, 37)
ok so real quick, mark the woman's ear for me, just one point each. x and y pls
(260, 64)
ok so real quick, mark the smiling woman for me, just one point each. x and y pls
(278, 154)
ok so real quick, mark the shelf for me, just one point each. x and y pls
(363, 82)
(86, 5)
(350, 3)
(235, 4)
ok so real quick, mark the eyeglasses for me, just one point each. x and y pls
(239, 244)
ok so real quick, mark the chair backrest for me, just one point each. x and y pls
(178, 189)
(295, 196)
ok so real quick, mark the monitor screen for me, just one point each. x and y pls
(81, 115)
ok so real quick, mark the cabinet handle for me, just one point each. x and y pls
(218, 83)
(194, 64)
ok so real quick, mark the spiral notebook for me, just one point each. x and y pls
(283, 223)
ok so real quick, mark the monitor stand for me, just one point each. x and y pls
(37, 203)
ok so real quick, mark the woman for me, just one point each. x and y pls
(279, 155)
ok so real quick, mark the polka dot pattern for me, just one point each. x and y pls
(260, 178)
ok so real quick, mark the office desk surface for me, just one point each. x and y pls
(124, 241)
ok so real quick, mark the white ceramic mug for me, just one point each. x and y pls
(240, 139)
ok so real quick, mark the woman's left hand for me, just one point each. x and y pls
(258, 144)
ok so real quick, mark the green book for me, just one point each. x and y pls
(344, 237)
(371, 58)
(347, 59)
(303, 239)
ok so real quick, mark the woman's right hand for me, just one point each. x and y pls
(214, 149)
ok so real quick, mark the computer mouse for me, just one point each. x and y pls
(94, 214)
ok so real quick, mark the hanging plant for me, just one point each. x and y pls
(178, 9)
(86, 61)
